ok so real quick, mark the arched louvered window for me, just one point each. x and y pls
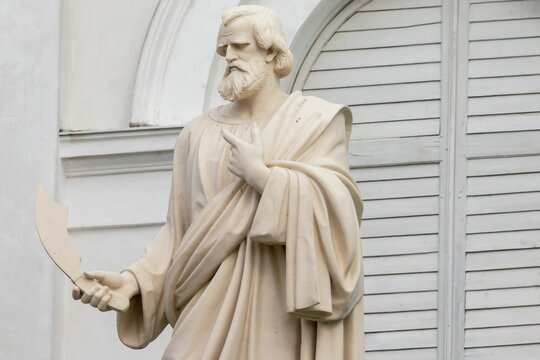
(446, 151)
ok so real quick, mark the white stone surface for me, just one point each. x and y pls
(28, 137)
(101, 46)
(103, 170)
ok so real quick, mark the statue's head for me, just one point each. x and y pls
(251, 41)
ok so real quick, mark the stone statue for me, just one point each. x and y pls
(260, 256)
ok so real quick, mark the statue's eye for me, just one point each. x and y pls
(240, 45)
(222, 50)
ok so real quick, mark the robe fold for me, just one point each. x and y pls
(243, 275)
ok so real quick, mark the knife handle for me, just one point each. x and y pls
(118, 302)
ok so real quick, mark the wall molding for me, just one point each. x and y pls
(154, 60)
(115, 152)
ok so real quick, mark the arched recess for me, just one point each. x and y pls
(171, 88)
(315, 30)
(383, 59)
(154, 60)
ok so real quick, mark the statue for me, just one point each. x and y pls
(260, 256)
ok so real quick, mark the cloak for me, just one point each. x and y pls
(243, 275)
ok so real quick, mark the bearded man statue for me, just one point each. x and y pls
(260, 256)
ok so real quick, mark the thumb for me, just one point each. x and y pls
(256, 134)
(106, 278)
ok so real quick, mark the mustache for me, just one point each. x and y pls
(239, 65)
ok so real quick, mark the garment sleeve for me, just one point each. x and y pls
(313, 208)
(145, 318)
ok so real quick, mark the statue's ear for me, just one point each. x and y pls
(270, 55)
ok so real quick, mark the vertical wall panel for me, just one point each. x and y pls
(503, 178)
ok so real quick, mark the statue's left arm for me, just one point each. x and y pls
(313, 208)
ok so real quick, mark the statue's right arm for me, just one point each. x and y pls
(99, 296)
(155, 261)
(125, 283)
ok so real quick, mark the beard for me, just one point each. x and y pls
(243, 82)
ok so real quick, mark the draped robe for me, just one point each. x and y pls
(243, 275)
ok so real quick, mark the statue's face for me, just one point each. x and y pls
(247, 71)
(236, 42)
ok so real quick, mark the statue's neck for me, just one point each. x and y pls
(262, 104)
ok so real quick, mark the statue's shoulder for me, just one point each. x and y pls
(191, 128)
(309, 104)
(315, 101)
(198, 120)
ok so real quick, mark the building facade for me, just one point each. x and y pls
(445, 149)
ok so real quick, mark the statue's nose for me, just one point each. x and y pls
(230, 55)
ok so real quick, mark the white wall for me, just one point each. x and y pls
(116, 187)
(102, 41)
(151, 62)
(28, 136)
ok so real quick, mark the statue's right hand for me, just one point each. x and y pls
(100, 295)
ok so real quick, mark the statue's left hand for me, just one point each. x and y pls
(247, 160)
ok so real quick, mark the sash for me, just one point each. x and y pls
(227, 218)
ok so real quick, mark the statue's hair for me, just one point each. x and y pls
(267, 32)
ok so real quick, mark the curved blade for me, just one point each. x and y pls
(51, 220)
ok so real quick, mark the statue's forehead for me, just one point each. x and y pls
(238, 29)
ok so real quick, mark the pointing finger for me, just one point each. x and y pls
(230, 138)
(256, 134)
